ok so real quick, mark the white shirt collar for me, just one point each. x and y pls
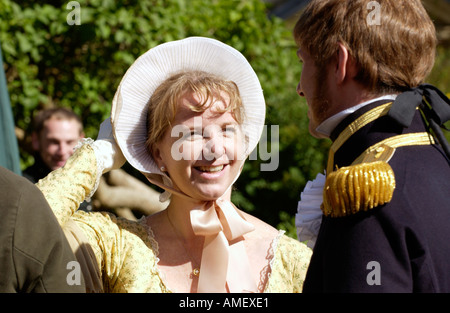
(327, 126)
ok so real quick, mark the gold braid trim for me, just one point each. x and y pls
(385, 149)
(358, 188)
(356, 125)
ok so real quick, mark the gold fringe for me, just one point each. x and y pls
(356, 188)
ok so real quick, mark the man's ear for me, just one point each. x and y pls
(346, 67)
(35, 141)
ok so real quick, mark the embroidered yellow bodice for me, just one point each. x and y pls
(127, 252)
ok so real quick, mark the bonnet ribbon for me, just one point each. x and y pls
(222, 264)
(224, 260)
(437, 112)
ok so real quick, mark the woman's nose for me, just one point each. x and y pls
(214, 147)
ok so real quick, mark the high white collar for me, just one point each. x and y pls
(327, 126)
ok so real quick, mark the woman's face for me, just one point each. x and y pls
(202, 151)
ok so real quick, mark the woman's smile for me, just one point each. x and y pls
(211, 172)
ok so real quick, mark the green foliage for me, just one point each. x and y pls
(440, 76)
(51, 63)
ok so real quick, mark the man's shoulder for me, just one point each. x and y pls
(35, 172)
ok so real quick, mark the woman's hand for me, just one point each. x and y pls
(107, 151)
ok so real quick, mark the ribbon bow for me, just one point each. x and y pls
(222, 264)
(437, 113)
(406, 103)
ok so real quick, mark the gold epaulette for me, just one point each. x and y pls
(358, 188)
(370, 181)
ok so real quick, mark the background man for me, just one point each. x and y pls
(56, 132)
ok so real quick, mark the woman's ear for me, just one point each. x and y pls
(156, 154)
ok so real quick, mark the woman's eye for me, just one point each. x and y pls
(195, 135)
(230, 129)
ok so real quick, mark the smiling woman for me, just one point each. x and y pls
(202, 148)
(186, 115)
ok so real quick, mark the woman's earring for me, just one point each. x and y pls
(162, 168)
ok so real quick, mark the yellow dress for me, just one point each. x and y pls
(127, 252)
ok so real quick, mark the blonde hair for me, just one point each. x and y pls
(394, 54)
(163, 104)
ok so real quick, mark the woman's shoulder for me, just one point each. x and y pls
(288, 259)
(109, 226)
(262, 229)
(288, 245)
(289, 265)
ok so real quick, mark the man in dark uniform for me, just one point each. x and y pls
(386, 209)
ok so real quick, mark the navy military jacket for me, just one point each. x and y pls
(401, 246)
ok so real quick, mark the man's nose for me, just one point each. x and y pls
(299, 90)
(64, 148)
